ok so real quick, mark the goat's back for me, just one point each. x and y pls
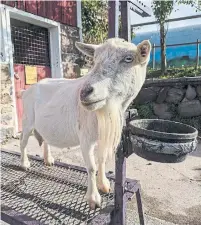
(51, 107)
(46, 89)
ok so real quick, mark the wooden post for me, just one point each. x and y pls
(113, 18)
(125, 21)
(153, 54)
(197, 54)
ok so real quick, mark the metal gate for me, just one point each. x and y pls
(31, 58)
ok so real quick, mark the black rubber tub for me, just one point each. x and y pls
(162, 140)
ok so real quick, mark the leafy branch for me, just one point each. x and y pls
(94, 21)
(193, 3)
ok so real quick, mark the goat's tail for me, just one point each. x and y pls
(109, 130)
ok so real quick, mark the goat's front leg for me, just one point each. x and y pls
(48, 159)
(103, 182)
(93, 197)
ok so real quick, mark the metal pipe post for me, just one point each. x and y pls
(139, 206)
(197, 54)
(153, 58)
(119, 217)
(113, 18)
(120, 179)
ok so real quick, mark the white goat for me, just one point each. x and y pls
(88, 110)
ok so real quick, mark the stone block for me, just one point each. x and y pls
(65, 43)
(156, 89)
(185, 100)
(146, 95)
(162, 111)
(162, 95)
(70, 32)
(190, 93)
(6, 117)
(5, 73)
(189, 108)
(5, 83)
(198, 90)
(70, 57)
(69, 52)
(68, 45)
(175, 95)
(5, 98)
(6, 132)
(71, 70)
(6, 109)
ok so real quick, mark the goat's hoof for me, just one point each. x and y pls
(94, 201)
(25, 164)
(104, 186)
(49, 161)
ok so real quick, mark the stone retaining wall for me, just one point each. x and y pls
(71, 57)
(6, 104)
(173, 99)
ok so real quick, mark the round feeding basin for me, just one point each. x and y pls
(162, 140)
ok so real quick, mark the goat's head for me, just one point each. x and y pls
(118, 73)
(117, 76)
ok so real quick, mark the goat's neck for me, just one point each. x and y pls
(130, 98)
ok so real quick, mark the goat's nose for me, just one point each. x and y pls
(85, 92)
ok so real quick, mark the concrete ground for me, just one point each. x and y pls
(171, 193)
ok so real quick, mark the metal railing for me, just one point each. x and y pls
(180, 44)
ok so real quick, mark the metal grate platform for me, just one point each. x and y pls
(42, 195)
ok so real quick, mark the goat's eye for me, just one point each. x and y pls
(128, 58)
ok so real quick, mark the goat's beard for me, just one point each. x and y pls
(110, 124)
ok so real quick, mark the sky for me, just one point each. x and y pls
(183, 10)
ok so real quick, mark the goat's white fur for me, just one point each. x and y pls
(54, 109)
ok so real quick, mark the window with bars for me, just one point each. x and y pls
(31, 44)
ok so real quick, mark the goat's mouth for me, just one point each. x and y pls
(92, 106)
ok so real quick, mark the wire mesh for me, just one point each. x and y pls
(31, 45)
(50, 195)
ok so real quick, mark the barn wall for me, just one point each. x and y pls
(61, 11)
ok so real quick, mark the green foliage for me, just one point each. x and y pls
(194, 122)
(162, 9)
(94, 21)
(175, 73)
(133, 35)
(144, 111)
(193, 3)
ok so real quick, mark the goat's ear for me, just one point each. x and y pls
(144, 49)
(86, 49)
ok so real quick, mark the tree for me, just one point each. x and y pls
(161, 10)
(193, 3)
(95, 21)
(133, 35)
